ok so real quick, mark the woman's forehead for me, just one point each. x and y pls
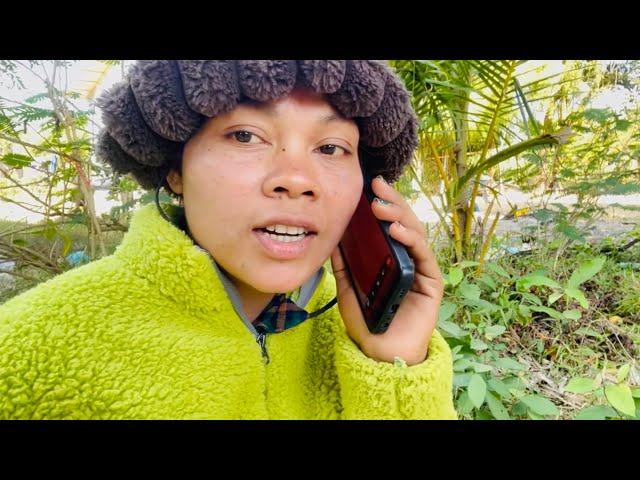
(300, 99)
(300, 104)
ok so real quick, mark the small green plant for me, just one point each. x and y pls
(569, 291)
(477, 316)
(607, 399)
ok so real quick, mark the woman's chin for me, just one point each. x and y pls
(280, 281)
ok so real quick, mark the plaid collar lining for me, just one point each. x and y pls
(281, 313)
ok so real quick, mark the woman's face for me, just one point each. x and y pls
(289, 167)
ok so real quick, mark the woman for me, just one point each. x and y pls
(223, 308)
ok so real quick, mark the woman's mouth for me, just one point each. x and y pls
(284, 242)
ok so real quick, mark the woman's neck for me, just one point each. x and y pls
(253, 301)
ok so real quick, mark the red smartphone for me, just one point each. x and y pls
(380, 268)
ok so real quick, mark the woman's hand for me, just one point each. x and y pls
(410, 331)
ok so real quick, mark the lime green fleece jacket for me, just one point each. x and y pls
(150, 333)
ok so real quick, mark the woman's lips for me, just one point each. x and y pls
(284, 250)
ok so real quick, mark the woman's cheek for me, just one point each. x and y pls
(342, 208)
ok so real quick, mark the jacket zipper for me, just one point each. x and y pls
(262, 341)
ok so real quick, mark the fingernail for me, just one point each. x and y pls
(382, 202)
(381, 178)
(399, 225)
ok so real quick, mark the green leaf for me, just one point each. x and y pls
(468, 263)
(573, 292)
(572, 314)
(477, 390)
(461, 365)
(536, 280)
(534, 416)
(481, 306)
(623, 372)
(599, 115)
(623, 124)
(461, 379)
(534, 299)
(451, 329)
(552, 312)
(580, 385)
(524, 311)
(620, 398)
(36, 98)
(585, 271)
(540, 405)
(455, 350)
(635, 392)
(447, 309)
(488, 281)
(499, 387)
(481, 367)
(554, 297)
(544, 215)
(497, 269)
(483, 415)
(478, 344)
(597, 412)
(496, 407)
(16, 160)
(515, 384)
(508, 364)
(570, 232)
(464, 405)
(455, 276)
(494, 330)
(519, 409)
(470, 291)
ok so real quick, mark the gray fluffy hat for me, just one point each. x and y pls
(162, 103)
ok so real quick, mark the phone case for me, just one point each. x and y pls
(380, 268)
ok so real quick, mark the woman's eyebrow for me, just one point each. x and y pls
(332, 117)
(272, 111)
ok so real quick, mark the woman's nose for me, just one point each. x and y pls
(292, 174)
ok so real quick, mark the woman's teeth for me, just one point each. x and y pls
(285, 229)
(286, 238)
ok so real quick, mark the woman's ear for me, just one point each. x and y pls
(174, 179)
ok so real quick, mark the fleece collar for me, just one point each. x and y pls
(183, 272)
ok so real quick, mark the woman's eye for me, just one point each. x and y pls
(329, 149)
(243, 136)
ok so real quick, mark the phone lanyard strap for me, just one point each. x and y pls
(325, 308)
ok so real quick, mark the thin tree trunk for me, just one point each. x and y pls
(84, 181)
(461, 166)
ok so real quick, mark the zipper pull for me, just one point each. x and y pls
(262, 341)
